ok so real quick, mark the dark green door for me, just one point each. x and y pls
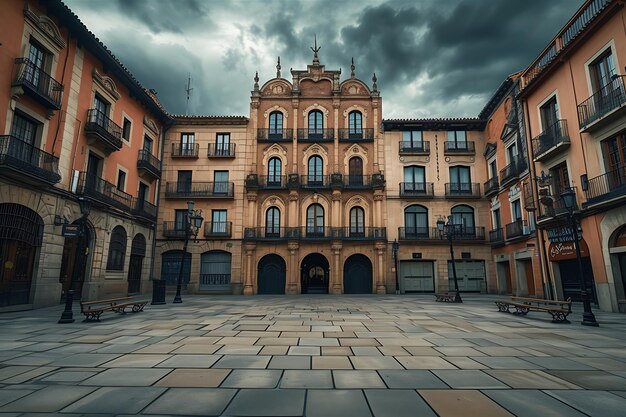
(272, 276)
(357, 275)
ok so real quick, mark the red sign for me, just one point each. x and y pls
(566, 250)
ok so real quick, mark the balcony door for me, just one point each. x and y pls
(184, 182)
(463, 219)
(220, 182)
(274, 172)
(316, 124)
(276, 125)
(457, 140)
(187, 144)
(549, 117)
(560, 179)
(222, 144)
(357, 221)
(414, 179)
(25, 130)
(416, 221)
(412, 140)
(272, 222)
(316, 171)
(355, 171)
(460, 180)
(180, 220)
(601, 71)
(218, 222)
(102, 111)
(355, 125)
(94, 170)
(315, 221)
(36, 65)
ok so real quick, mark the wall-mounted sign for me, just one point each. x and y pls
(71, 230)
(417, 255)
(562, 251)
(563, 234)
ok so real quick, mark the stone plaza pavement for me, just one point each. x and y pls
(312, 356)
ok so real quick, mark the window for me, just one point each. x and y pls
(276, 124)
(497, 223)
(126, 125)
(549, 112)
(101, 111)
(272, 222)
(493, 169)
(601, 70)
(511, 153)
(463, 218)
(187, 144)
(180, 219)
(516, 210)
(184, 182)
(121, 180)
(416, 221)
(412, 140)
(222, 144)
(144, 192)
(614, 150)
(148, 144)
(117, 249)
(274, 172)
(460, 180)
(37, 58)
(357, 221)
(315, 220)
(414, 179)
(457, 139)
(355, 171)
(220, 182)
(316, 124)
(355, 124)
(560, 179)
(24, 129)
(316, 171)
(218, 222)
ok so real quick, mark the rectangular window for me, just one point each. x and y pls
(148, 144)
(180, 219)
(184, 181)
(511, 153)
(220, 182)
(493, 169)
(24, 129)
(460, 179)
(101, 112)
(549, 114)
(497, 224)
(187, 144)
(37, 62)
(144, 192)
(218, 218)
(560, 179)
(516, 210)
(412, 139)
(126, 129)
(414, 179)
(121, 180)
(457, 139)
(614, 154)
(601, 70)
(222, 144)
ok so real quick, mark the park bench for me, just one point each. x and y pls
(93, 309)
(558, 309)
(445, 297)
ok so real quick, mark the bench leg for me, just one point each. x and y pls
(138, 307)
(559, 317)
(92, 315)
(521, 310)
(503, 307)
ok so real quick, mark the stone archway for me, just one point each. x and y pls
(314, 274)
(272, 275)
(357, 275)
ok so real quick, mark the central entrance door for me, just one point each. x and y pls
(357, 275)
(314, 273)
(272, 276)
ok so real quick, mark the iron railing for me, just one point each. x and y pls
(356, 135)
(272, 182)
(357, 181)
(414, 233)
(315, 181)
(547, 142)
(274, 135)
(174, 230)
(218, 229)
(359, 233)
(496, 236)
(27, 159)
(144, 209)
(417, 189)
(104, 128)
(221, 150)
(103, 191)
(512, 171)
(214, 281)
(270, 233)
(604, 101)
(149, 163)
(185, 150)
(195, 189)
(415, 147)
(606, 187)
(491, 186)
(517, 228)
(452, 147)
(553, 205)
(463, 189)
(463, 233)
(316, 135)
(38, 83)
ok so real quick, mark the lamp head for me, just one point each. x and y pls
(197, 221)
(190, 205)
(441, 224)
(569, 199)
(85, 206)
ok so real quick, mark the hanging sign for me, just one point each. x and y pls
(563, 251)
(71, 230)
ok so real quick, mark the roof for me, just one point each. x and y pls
(209, 119)
(496, 98)
(470, 123)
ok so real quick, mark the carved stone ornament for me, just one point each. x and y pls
(336, 196)
(105, 82)
(273, 200)
(267, 112)
(150, 125)
(251, 197)
(46, 26)
(378, 197)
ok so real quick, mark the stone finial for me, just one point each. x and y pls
(256, 81)
(315, 50)
(352, 67)
(375, 85)
(278, 68)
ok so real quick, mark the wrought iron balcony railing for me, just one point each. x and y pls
(606, 188)
(103, 192)
(149, 163)
(274, 135)
(174, 230)
(315, 181)
(316, 135)
(414, 233)
(415, 147)
(517, 228)
(462, 190)
(357, 181)
(37, 84)
(463, 233)
(196, 189)
(496, 236)
(417, 189)
(185, 150)
(609, 98)
(553, 205)
(551, 141)
(103, 131)
(513, 170)
(218, 229)
(272, 182)
(271, 233)
(356, 135)
(23, 159)
(145, 209)
(452, 148)
(221, 150)
(491, 186)
(359, 233)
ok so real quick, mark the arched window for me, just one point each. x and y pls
(357, 221)
(315, 220)
(316, 124)
(463, 216)
(355, 125)
(416, 221)
(117, 249)
(272, 222)
(316, 171)
(274, 172)
(276, 125)
(355, 171)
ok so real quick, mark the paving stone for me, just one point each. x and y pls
(252, 378)
(290, 362)
(530, 379)
(530, 403)
(136, 361)
(277, 341)
(127, 377)
(397, 403)
(593, 403)
(374, 362)
(318, 341)
(306, 379)
(84, 359)
(274, 350)
(189, 361)
(459, 351)
(331, 362)
(357, 379)
(6, 396)
(558, 363)
(196, 349)
(304, 350)
(468, 379)
(504, 362)
(239, 350)
(466, 403)
(242, 361)
(267, 402)
(115, 400)
(336, 403)
(465, 363)
(68, 376)
(392, 351)
(49, 399)
(411, 379)
(336, 351)
(422, 351)
(358, 342)
(604, 364)
(598, 380)
(424, 362)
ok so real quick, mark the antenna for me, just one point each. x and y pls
(188, 90)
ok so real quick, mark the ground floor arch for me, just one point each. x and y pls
(215, 271)
(170, 267)
(357, 275)
(135, 266)
(314, 274)
(272, 275)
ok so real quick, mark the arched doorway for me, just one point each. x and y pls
(170, 267)
(137, 253)
(617, 249)
(215, 271)
(357, 275)
(21, 233)
(272, 275)
(314, 274)
(69, 265)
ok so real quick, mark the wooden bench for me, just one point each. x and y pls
(558, 309)
(94, 309)
(446, 297)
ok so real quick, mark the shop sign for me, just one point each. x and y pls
(563, 251)
(563, 234)
(71, 230)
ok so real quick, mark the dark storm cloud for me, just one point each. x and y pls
(164, 16)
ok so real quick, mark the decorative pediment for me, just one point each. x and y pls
(508, 132)
(490, 150)
(354, 88)
(46, 26)
(150, 125)
(106, 82)
(276, 88)
(284, 111)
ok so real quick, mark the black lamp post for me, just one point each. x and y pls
(192, 222)
(569, 200)
(450, 231)
(394, 249)
(79, 260)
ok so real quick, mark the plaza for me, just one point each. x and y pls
(313, 355)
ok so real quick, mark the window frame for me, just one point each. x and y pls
(117, 249)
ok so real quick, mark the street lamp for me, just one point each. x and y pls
(450, 231)
(569, 200)
(192, 222)
(79, 260)
(394, 249)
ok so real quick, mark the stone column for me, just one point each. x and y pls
(336, 209)
(380, 268)
(294, 154)
(292, 217)
(248, 287)
(378, 208)
(336, 274)
(252, 212)
(293, 282)
(336, 104)
(377, 151)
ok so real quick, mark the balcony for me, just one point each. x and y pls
(356, 135)
(552, 205)
(199, 189)
(274, 135)
(414, 148)
(103, 192)
(217, 230)
(272, 182)
(491, 186)
(185, 150)
(462, 190)
(145, 209)
(517, 228)
(148, 164)
(606, 102)
(432, 234)
(417, 190)
(316, 181)
(357, 182)
(37, 84)
(316, 135)
(413, 233)
(173, 230)
(496, 237)
(362, 233)
(512, 171)
(459, 148)
(551, 141)
(607, 188)
(24, 161)
(102, 131)
(221, 150)
(270, 233)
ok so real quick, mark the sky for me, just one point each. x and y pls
(432, 58)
